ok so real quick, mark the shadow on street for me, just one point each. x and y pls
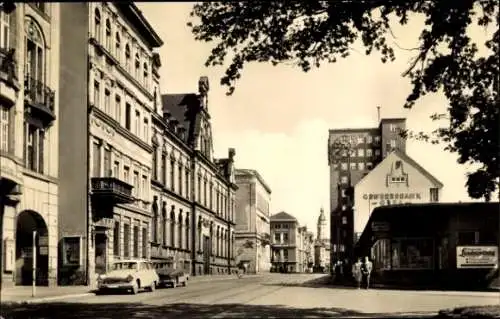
(179, 310)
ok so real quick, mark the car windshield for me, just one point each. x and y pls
(125, 265)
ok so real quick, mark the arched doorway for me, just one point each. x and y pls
(27, 223)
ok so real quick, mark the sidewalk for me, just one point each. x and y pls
(20, 294)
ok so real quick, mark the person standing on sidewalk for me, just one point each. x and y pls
(356, 272)
(366, 269)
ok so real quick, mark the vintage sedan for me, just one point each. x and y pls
(169, 276)
(130, 275)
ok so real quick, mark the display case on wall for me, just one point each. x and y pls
(72, 251)
(8, 255)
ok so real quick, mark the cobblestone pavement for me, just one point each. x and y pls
(269, 296)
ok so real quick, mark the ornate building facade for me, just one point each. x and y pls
(108, 63)
(29, 94)
(193, 193)
(252, 220)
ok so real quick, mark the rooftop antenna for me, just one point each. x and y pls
(378, 114)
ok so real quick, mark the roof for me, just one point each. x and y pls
(429, 214)
(137, 19)
(184, 108)
(410, 161)
(252, 172)
(282, 216)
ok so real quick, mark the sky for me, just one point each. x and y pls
(278, 118)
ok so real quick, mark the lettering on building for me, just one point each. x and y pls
(392, 196)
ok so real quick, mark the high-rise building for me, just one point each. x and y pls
(252, 220)
(352, 154)
(29, 132)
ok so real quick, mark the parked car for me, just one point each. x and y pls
(168, 276)
(131, 275)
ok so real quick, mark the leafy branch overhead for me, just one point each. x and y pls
(309, 33)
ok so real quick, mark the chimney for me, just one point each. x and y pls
(231, 154)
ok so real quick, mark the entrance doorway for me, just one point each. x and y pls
(207, 249)
(100, 241)
(27, 223)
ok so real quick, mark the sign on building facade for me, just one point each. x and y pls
(477, 257)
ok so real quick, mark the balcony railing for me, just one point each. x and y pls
(38, 94)
(111, 189)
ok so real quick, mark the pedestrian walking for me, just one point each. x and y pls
(366, 269)
(356, 272)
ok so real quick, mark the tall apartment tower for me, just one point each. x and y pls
(353, 153)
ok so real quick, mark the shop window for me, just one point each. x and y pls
(412, 253)
(467, 238)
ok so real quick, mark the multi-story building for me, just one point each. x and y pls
(353, 156)
(29, 125)
(194, 193)
(285, 255)
(108, 98)
(303, 252)
(252, 228)
(309, 248)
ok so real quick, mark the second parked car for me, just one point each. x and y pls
(168, 276)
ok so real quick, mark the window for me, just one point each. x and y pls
(393, 127)
(126, 174)
(393, 144)
(4, 29)
(107, 162)
(376, 139)
(361, 140)
(369, 152)
(466, 238)
(199, 189)
(136, 241)
(344, 220)
(172, 174)
(377, 152)
(155, 163)
(187, 234)
(116, 239)
(369, 165)
(128, 110)
(144, 187)
(163, 170)
(186, 182)
(335, 166)
(434, 195)
(108, 36)
(136, 184)
(172, 227)
(118, 109)
(205, 194)
(137, 66)
(343, 179)
(137, 123)
(352, 166)
(97, 94)
(116, 169)
(361, 166)
(285, 238)
(34, 147)
(126, 240)
(118, 50)
(4, 128)
(146, 74)
(35, 62)
(361, 152)
(107, 101)
(285, 254)
(144, 243)
(97, 25)
(343, 166)
(368, 139)
(277, 238)
(96, 159)
(179, 231)
(127, 57)
(180, 175)
(146, 129)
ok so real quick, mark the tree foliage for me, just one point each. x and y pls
(308, 33)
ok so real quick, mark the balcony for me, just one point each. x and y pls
(9, 85)
(40, 99)
(110, 190)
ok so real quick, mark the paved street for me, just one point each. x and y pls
(269, 296)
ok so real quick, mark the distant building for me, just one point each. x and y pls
(321, 245)
(252, 230)
(285, 255)
(352, 153)
(369, 168)
(305, 242)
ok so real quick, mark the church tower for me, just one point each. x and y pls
(321, 226)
